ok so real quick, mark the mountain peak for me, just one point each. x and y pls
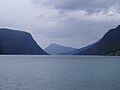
(56, 49)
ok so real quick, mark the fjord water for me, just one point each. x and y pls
(59, 73)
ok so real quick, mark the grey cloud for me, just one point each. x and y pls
(89, 5)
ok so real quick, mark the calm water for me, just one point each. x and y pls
(59, 73)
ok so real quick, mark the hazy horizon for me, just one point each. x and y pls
(73, 23)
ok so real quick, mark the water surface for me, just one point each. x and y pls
(59, 73)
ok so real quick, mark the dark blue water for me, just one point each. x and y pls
(59, 73)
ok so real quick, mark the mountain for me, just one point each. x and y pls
(109, 43)
(77, 50)
(55, 49)
(18, 43)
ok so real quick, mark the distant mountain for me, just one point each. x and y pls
(109, 43)
(18, 43)
(56, 49)
(77, 50)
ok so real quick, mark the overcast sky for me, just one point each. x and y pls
(74, 23)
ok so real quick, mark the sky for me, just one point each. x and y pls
(74, 23)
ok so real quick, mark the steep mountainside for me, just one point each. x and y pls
(18, 42)
(109, 43)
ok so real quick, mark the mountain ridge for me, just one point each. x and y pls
(110, 42)
(56, 49)
(18, 43)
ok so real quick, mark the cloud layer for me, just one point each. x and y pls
(63, 22)
(79, 4)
